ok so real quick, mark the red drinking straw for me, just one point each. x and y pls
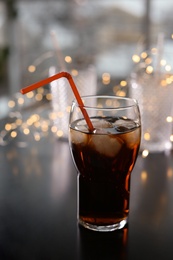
(74, 89)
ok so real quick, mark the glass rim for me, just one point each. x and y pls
(134, 102)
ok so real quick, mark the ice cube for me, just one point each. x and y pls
(101, 123)
(123, 125)
(106, 144)
(78, 137)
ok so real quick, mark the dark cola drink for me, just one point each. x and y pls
(104, 160)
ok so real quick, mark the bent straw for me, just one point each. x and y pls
(74, 89)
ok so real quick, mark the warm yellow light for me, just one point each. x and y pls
(37, 137)
(68, 109)
(52, 116)
(11, 104)
(148, 60)
(123, 83)
(144, 55)
(163, 62)
(54, 129)
(38, 96)
(169, 119)
(144, 175)
(121, 93)
(29, 121)
(68, 59)
(149, 69)
(30, 94)
(136, 58)
(147, 136)
(44, 126)
(169, 80)
(169, 173)
(74, 72)
(49, 96)
(171, 138)
(13, 134)
(106, 78)
(13, 126)
(163, 83)
(59, 133)
(168, 68)
(37, 124)
(40, 90)
(20, 101)
(31, 68)
(26, 131)
(18, 121)
(8, 127)
(145, 153)
(108, 102)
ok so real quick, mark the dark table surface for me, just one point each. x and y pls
(38, 207)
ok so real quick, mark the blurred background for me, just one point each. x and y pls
(104, 33)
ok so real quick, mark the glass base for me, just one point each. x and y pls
(107, 228)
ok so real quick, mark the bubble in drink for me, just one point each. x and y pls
(104, 159)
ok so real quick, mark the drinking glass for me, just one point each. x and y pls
(104, 159)
(151, 83)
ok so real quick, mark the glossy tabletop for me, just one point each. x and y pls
(38, 207)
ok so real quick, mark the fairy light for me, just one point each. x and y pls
(7, 127)
(20, 101)
(26, 131)
(38, 97)
(40, 90)
(18, 121)
(37, 124)
(169, 173)
(123, 83)
(149, 69)
(31, 68)
(163, 62)
(163, 83)
(52, 116)
(169, 80)
(169, 119)
(171, 138)
(144, 176)
(54, 129)
(68, 59)
(44, 126)
(145, 153)
(13, 134)
(30, 94)
(144, 55)
(74, 72)
(68, 108)
(37, 137)
(136, 58)
(59, 133)
(106, 78)
(168, 68)
(11, 103)
(49, 96)
(147, 136)
(121, 93)
(108, 102)
(148, 60)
